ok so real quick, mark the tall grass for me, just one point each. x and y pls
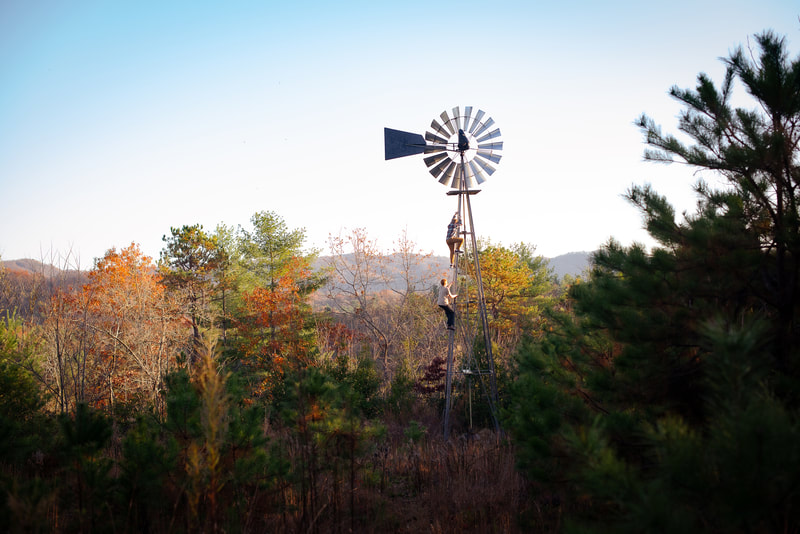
(466, 485)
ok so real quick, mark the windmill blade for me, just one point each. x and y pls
(485, 166)
(448, 173)
(433, 149)
(438, 127)
(433, 160)
(456, 183)
(438, 169)
(468, 179)
(467, 115)
(433, 138)
(446, 120)
(458, 175)
(491, 135)
(476, 171)
(485, 126)
(488, 154)
(491, 146)
(477, 120)
(457, 118)
(397, 144)
(469, 170)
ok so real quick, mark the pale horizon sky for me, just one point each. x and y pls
(119, 120)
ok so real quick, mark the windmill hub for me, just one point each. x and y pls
(458, 143)
(463, 141)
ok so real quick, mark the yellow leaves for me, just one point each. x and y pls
(203, 459)
(507, 281)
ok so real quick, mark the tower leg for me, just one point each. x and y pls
(448, 384)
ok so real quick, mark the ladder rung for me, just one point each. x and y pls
(475, 372)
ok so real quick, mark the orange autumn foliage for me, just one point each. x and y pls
(273, 327)
(120, 333)
(140, 326)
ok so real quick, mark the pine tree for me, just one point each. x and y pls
(685, 358)
(756, 152)
(189, 264)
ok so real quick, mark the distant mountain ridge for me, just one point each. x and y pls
(29, 267)
(572, 263)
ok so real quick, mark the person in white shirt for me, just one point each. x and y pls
(445, 299)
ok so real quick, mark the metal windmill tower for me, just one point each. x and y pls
(462, 147)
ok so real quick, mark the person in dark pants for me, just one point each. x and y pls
(454, 240)
(444, 300)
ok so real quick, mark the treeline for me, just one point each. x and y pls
(201, 393)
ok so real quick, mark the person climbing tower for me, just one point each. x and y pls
(445, 301)
(454, 240)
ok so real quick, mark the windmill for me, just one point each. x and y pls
(462, 150)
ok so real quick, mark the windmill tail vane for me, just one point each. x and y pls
(461, 144)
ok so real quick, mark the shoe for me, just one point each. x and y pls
(451, 327)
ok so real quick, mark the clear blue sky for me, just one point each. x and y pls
(119, 120)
